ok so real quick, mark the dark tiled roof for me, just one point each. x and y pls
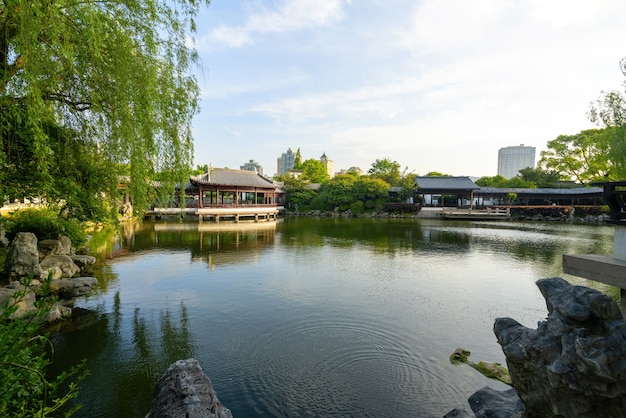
(577, 191)
(229, 177)
(438, 184)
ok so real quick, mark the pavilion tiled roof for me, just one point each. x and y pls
(230, 177)
(444, 184)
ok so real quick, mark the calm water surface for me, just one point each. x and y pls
(315, 318)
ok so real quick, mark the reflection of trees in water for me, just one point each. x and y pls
(126, 356)
(389, 236)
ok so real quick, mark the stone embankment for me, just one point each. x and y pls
(572, 365)
(33, 265)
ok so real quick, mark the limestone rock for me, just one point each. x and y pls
(83, 260)
(23, 257)
(185, 391)
(4, 241)
(57, 312)
(72, 288)
(490, 403)
(574, 363)
(22, 296)
(63, 262)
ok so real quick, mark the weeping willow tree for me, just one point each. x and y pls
(115, 73)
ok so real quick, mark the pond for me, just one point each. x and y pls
(315, 317)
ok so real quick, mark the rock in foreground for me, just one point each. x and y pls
(185, 391)
(572, 365)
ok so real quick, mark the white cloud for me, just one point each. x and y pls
(288, 16)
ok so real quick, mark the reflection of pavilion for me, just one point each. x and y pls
(214, 243)
(222, 193)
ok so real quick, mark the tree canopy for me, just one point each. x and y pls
(314, 171)
(386, 170)
(610, 111)
(582, 157)
(114, 73)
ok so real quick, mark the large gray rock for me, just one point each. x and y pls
(72, 288)
(62, 262)
(185, 391)
(83, 260)
(23, 257)
(574, 363)
(16, 294)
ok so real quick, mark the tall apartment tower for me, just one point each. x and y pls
(285, 162)
(252, 166)
(328, 163)
(512, 159)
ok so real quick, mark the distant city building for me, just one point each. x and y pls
(285, 162)
(356, 170)
(512, 159)
(328, 163)
(252, 166)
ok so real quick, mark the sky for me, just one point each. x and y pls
(435, 85)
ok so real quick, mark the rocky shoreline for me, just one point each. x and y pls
(47, 267)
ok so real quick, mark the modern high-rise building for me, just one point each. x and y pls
(512, 159)
(285, 162)
(328, 163)
(252, 166)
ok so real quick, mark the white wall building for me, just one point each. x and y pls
(512, 159)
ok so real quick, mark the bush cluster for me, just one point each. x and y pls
(46, 223)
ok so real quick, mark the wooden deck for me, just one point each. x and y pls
(251, 213)
(477, 214)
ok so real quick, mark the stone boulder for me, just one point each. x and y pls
(62, 262)
(17, 294)
(23, 257)
(83, 260)
(72, 288)
(574, 363)
(185, 391)
(4, 241)
(60, 246)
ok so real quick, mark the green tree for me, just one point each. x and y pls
(314, 171)
(338, 191)
(386, 170)
(610, 111)
(437, 174)
(408, 187)
(582, 157)
(540, 177)
(114, 72)
(370, 189)
(76, 170)
(297, 161)
(494, 181)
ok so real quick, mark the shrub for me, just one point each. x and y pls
(356, 207)
(24, 357)
(46, 223)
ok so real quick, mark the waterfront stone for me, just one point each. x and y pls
(4, 241)
(83, 260)
(51, 247)
(72, 288)
(572, 365)
(23, 257)
(185, 391)
(17, 294)
(63, 262)
(57, 312)
(491, 403)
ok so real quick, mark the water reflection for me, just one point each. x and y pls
(314, 317)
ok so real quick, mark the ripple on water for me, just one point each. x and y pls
(339, 368)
